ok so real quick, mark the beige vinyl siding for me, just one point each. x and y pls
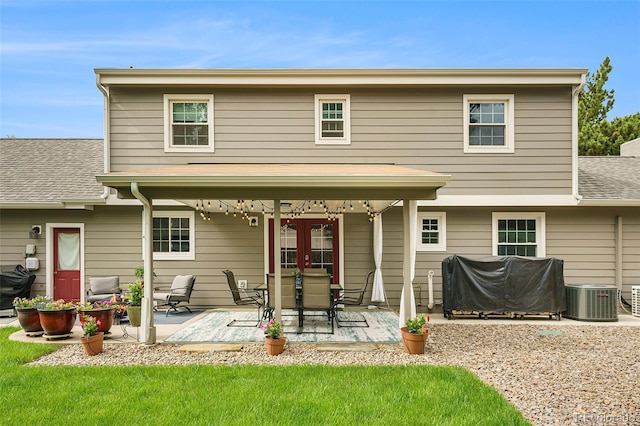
(631, 252)
(418, 127)
(583, 237)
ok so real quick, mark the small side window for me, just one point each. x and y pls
(432, 231)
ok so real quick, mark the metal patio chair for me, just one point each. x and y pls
(317, 296)
(179, 292)
(103, 289)
(354, 297)
(239, 300)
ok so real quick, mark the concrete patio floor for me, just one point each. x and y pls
(123, 334)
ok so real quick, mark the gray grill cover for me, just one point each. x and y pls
(503, 284)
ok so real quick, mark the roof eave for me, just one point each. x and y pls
(337, 77)
(595, 202)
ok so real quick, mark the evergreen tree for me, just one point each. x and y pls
(596, 135)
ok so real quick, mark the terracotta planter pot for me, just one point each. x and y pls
(413, 343)
(93, 344)
(105, 316)
(275, 346)
(29, 320)
(135, 314)
(55, 323)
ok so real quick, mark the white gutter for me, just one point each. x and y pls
(106, 131)
(148, 330)
(574, 135)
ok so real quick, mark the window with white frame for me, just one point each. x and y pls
(488, 123)
(173, 235)
(188, 123)
(432, 235)
(519, 234)
(332, 117)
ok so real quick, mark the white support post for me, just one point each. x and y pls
(276, 261)
(147, 329)
(406, 260)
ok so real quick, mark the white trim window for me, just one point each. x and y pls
(432, 231)
(188, 123)
(488, 124)
(174, 235)
(519, 234)
(333, 118)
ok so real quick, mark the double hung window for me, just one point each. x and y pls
(332, 114)
(188, 123)
(488, 123)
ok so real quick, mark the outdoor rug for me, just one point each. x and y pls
(175, 317)
(383, 327)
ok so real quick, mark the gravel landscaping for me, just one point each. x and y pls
(556, 375)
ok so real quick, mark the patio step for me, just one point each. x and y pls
(346, 347)
(203, 348)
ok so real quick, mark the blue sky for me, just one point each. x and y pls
(49, 49)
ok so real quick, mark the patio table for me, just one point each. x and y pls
(335, 288)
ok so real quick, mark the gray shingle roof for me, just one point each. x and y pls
(609, 178)
(50, 170)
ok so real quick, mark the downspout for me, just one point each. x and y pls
(148, 332)
(106, 131)
(619, 253)
(575, 101)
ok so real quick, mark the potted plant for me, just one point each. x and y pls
(134, 298)
(57, 317)
(139, 273)
(92, 340)
(103, 311)
(414, 335)
(28, 317)
(274, 341)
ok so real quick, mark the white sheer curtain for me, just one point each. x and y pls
(377, 293)
(68, 251)
(413, 225)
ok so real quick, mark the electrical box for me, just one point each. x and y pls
(30, 249)
(32, 263)
(242, 284)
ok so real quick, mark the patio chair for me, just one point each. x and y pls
(354, 297)
(317, 295)
(243, 301)
(288, 289)
(179, 292)
(103, 288)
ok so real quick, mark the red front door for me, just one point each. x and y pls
(307, 244)
(66, 260)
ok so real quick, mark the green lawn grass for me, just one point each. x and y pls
(241, 395)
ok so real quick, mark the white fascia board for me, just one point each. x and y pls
(113, 200)
(350, 77)
(500, 200)
(33, 206)
(609, 203)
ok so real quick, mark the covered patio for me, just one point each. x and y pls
(276, 183)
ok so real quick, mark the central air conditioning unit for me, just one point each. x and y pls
(591, 302)
(635, 301)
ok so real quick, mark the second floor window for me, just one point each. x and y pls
(488, 124)
(333, 119)
(188, 123)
